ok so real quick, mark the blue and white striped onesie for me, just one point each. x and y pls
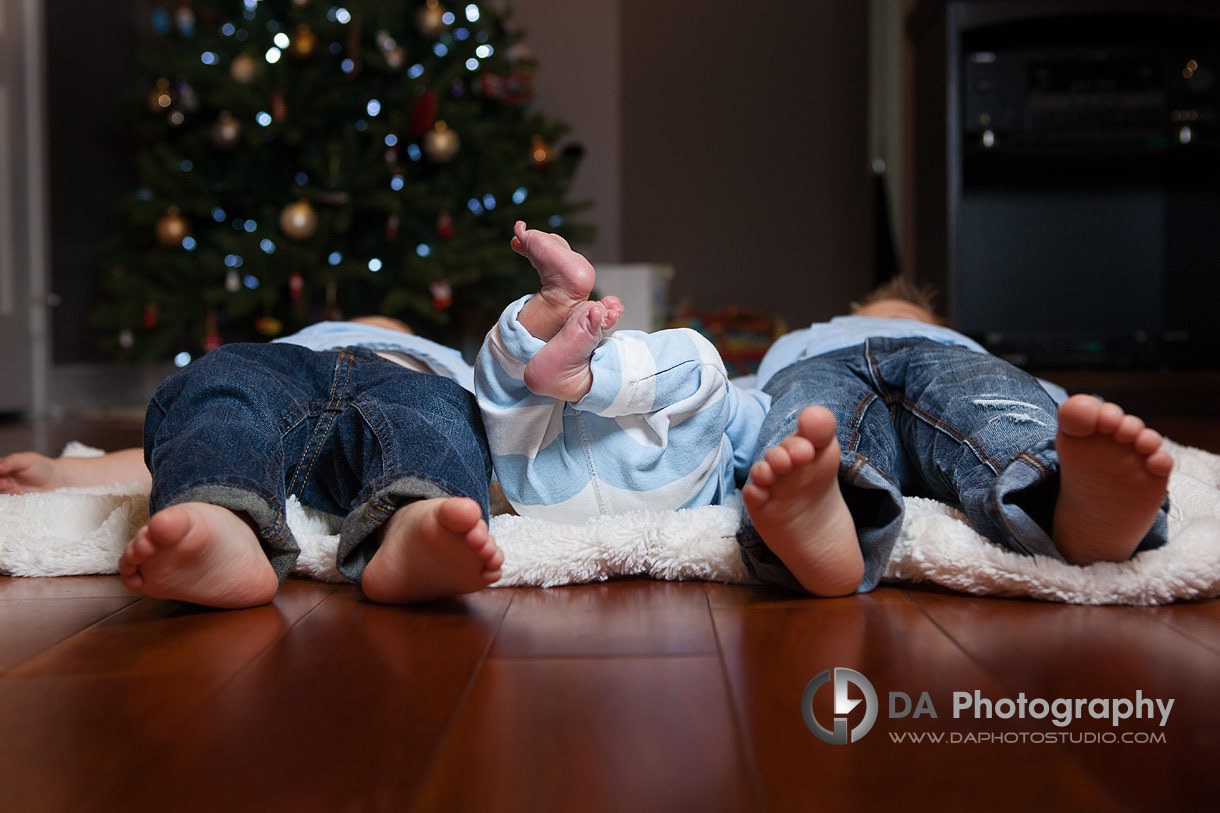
(661, 428)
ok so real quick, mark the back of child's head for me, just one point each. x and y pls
(900, 298)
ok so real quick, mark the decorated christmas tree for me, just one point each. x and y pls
(302, 160)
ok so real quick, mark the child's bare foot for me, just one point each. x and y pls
(200, 553)
(567, 280)
(560, 369)
(1113, 477)
(794, 501)
(432, 549)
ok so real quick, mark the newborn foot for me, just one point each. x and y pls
(199, 553)
(1113, 478)
(560, 369)
(432, 549)
(794, 501)
(567, 280)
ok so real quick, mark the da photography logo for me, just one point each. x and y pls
(843, 705)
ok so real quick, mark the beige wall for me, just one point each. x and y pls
(727, 138)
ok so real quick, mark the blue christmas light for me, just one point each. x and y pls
(373, 107)
(519, 194)
(267, 246)
(334, 258)
(208, 58)
(188, 243)
(347, 65)
(489, 202)
(472, 64)
(301, 178)
(415, 71)
(555, 221)
(219, 215)
(484, 51)
(228, 29)
(281, 40)
(160, 21)
(474, 206)
(413, 152)
(439, 49)
(187, 165)
(462, 34)
(391, 140)
(263, 118)
(233, 261)
(374, 265)
(182, 359)
(251, 282)
(472, 13)
(397, 183)
(251, 226)
(273, 55)
(423, 249)
(343, 16)
(448, 18)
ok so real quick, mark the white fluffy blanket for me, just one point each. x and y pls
(82, 531)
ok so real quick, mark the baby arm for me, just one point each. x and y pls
(24, 472)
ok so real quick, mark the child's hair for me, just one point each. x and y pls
(904, 289)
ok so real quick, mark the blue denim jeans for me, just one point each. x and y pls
(921, 418)
(349, 433)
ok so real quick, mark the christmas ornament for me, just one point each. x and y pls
(304, 43)
(188, 99)
(296, 288)
(441, 144)
(300, 3)
(298, 220)
(243, 68)
(150, 315)
(396, 57)
(444, 225)
(184, 18)
(540, 152)
(211, 338)
(391, 227)
(226, 132)
(279, 110)
(442, 294)
(232, 281)
(331, 312)
(172, 228)
(268, 325)
(423, 113)
(159, 100)
(430, 20)
(126, 339)
(515, 89)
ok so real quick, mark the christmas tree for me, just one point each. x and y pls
(301, 160)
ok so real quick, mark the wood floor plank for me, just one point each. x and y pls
(13, 589)
(343, 713)
(78, 716)
(1200, 620)
(772, 651)
(1064, 651)
(629, 617)
(31, 626)
(593, 734)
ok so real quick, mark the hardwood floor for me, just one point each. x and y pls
(620, 696)
(627, 695)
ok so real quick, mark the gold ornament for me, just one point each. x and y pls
(304, 43)
(300, 3)
(298, 220)
(540, 151)
(430, 20)
(396, 57)
(440, 143)
(244, 68)
(226, 132)
(159, 100)
(172, 228)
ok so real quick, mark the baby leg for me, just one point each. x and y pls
(560, 369)
(567, 280)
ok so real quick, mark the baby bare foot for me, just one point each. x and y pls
(432, 549)
(794, 501)
(567, 280)
(200, 553)
(560, 369)
(1113, 477)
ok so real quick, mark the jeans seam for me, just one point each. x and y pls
(971, 441)
(332, 405)
(857, 419)
(385, 440)
(1034, 462)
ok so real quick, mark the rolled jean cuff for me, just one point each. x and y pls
(356, 545)
(277, 541)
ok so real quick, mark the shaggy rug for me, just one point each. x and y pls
(82, 531)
